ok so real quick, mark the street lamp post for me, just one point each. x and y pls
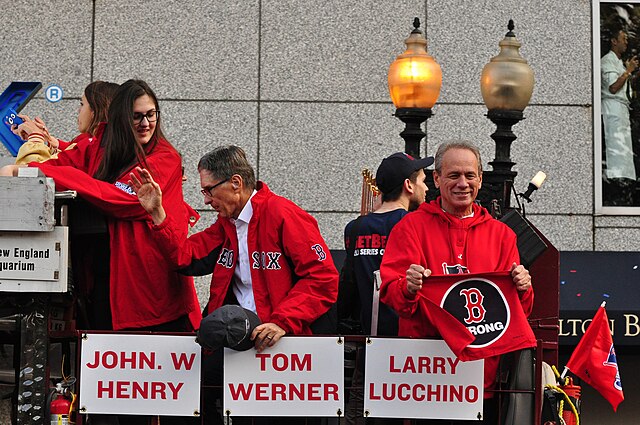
(414, 84)
(506, 84)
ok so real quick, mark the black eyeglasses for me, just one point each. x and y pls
(151, 116)
(207, 190)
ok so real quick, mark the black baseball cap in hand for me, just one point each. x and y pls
(395, 169)
(228, 326)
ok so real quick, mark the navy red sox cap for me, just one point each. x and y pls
(395, 169)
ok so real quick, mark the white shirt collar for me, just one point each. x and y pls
(466, 216)
(247, 212)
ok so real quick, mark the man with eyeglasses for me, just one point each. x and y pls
(266, 253)
(450, 235)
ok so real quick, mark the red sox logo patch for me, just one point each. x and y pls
(480, 306)
(473, 304)
(317, 248)
(226, 258)
(266, 260)
(455, 269)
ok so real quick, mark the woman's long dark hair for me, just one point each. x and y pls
(121, 149)
(99, 95)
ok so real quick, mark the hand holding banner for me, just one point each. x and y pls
(478, 316)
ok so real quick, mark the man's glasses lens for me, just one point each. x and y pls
(151, 116)
(208, 190)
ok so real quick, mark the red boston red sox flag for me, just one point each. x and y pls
(594, 360)
(477, 315)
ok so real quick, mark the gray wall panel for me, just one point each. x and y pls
(48, 42)
(196, 128)
(186, 50)
(556, 40)
(332, 227)
(617, 221)
(313, 153)
(544, 142)
(337, 51)
(616, 239)
(566, 232)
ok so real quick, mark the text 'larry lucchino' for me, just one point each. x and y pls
(423, 391)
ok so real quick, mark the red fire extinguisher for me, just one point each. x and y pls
(60, 408)
(569, 414)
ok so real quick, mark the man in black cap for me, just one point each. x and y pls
(401, 180)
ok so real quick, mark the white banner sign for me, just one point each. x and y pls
(299, 376)
(31, 256)
(34, 261)
(407, 378)
(140, 374)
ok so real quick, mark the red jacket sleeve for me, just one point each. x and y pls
(316, 288)
(79, 157)
(183, 252)
(526, 298)
(118, 199)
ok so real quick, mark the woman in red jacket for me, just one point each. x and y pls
(40, 145)
(133, 286)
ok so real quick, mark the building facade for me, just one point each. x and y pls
(302, 87)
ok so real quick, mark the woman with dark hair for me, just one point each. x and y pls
(138, 289)
(94, 105)
(134, 104)
(40, 145)
(124, 280)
